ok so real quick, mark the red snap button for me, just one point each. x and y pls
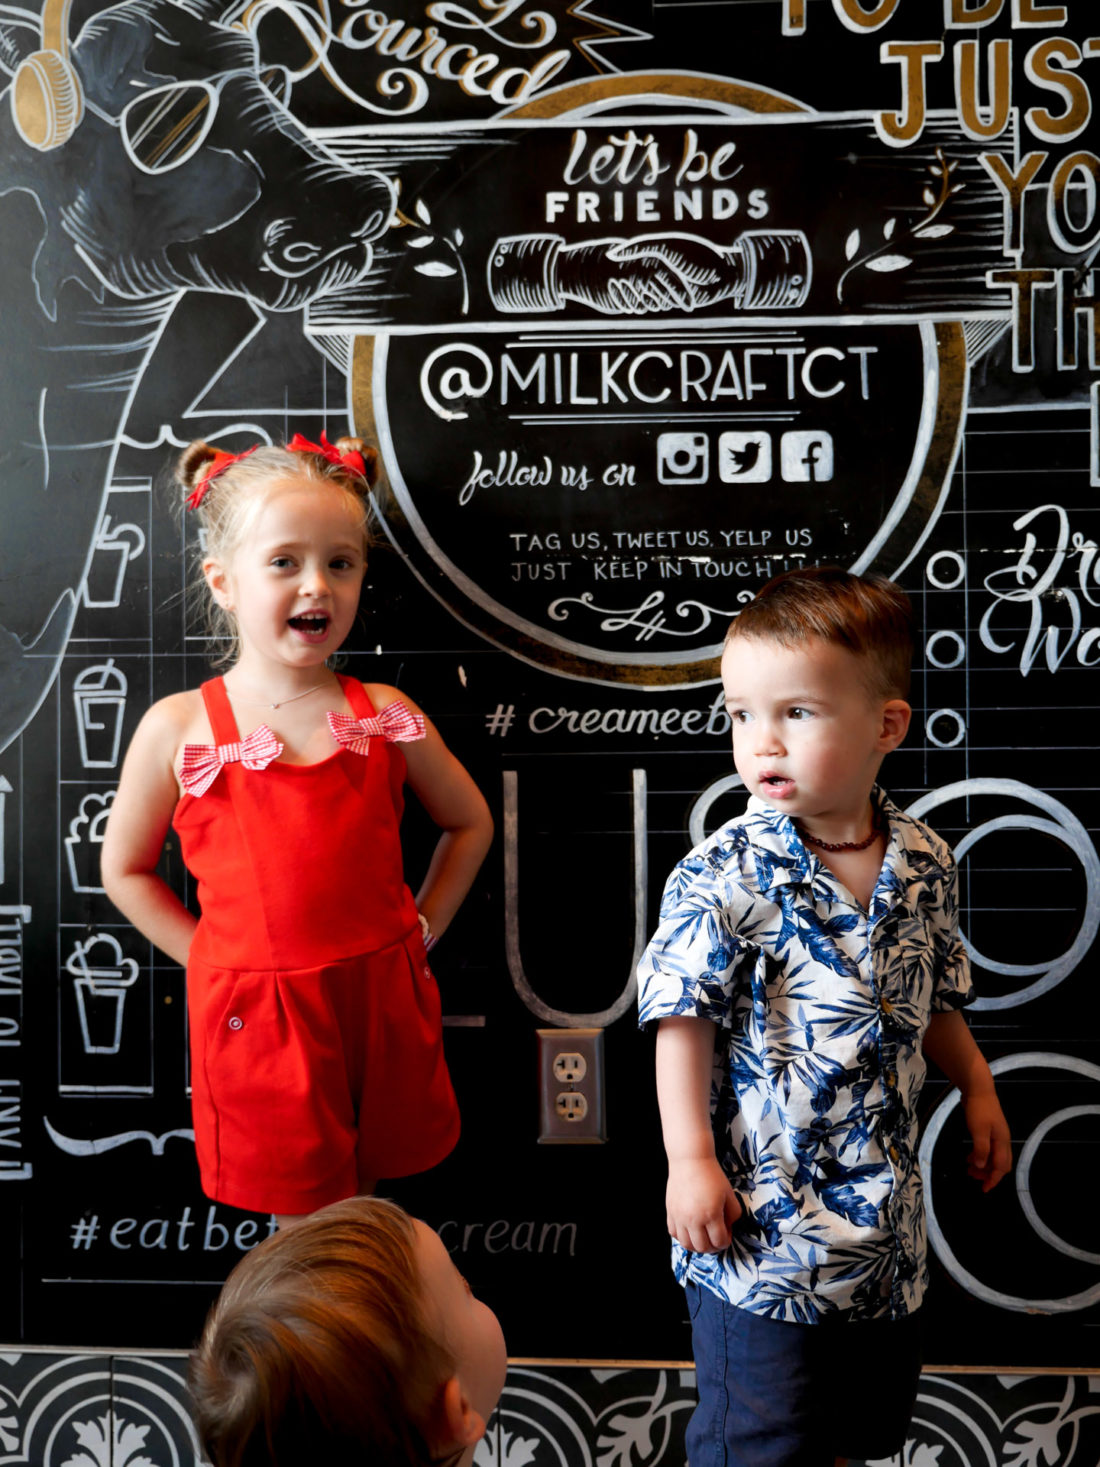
(236, 1023)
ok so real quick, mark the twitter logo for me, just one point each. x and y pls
(745, 458)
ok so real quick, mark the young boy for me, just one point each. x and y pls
(347, 1339)
(807, 957)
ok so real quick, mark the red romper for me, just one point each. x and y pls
(316, 1040)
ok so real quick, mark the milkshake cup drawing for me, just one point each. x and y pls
(99, 696)
(101, 977)
(115, 546)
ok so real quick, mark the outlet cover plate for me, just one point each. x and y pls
(562, 1121)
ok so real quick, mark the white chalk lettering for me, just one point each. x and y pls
(1055, 621)
(503, 1236)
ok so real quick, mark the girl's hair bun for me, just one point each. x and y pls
(369, 455)
(193, 461)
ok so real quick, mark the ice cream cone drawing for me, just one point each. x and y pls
(101, 976)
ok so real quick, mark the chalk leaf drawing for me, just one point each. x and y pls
(427, 238)
(885, 263)
(120, 1444)
(882, 259)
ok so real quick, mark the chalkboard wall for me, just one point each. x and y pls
(641, 305)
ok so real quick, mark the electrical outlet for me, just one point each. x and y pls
(571, 1106)
(570, 1067)
(571, 1099)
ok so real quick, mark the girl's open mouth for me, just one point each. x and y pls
(311, 624)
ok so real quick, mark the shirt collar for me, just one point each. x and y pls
(780, 855)
(783, 859)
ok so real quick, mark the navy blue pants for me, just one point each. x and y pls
(775, 1394)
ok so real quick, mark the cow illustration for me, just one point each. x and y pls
(184, 171)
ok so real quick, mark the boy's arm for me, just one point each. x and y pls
(701, 1204)
(949, 1043)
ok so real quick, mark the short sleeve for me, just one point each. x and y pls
(954, 988)
(690, 966)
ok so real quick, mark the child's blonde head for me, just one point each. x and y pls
(228, 500)
(317, 1349)
(869, 615)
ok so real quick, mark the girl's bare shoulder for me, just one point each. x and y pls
(180, 718)
(382, 695)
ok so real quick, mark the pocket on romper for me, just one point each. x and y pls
(424, 986)
(240, 1038)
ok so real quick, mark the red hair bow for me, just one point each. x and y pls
(352, 459)
(218, 465)
(221, 461)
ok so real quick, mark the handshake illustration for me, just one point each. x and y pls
(761, 270)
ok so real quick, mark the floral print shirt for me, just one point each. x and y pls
(819, 1010)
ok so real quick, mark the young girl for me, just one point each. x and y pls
(349, 1339)
(316, 1048)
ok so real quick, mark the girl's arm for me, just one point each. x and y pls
(138, 823)
(700, 1203)
(949, 1043)
(455, 803)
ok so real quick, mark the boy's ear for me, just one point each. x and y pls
(895, 724)
(460, 1424)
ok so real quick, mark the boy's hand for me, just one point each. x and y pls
(949, 1044)
(991, 1158)
(701, 1205)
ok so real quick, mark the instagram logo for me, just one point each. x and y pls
(682, 458)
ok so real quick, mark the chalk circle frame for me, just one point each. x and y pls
(1069, 1303)
(1023, 1180)
(957, 642)
(960, 564)
(960, 728)
(1064, 827)
(894, 544)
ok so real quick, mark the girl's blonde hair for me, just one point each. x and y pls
(317, 1349)
(234, 497)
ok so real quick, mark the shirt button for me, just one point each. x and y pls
(886, 1006)
(891, 1079)
(236, 1023)
(895, 1154)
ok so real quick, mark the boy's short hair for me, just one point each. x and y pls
(317, 1350)
(869, 615)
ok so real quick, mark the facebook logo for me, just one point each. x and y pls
(806, 457)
